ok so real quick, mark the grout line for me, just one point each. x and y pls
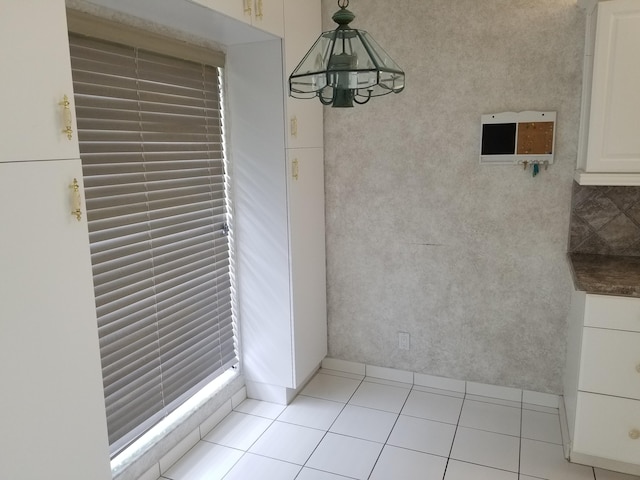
(446, 467)
(390, 431)
(328, 428)
(521, 432)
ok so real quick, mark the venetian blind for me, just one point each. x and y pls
(150, 133)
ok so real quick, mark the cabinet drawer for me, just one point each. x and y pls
(618, 313)
(610, 362)
(605, 427)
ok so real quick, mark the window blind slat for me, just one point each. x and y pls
(150, 130)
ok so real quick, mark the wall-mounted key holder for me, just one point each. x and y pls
(524, 138)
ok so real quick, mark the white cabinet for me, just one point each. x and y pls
(308, 265)
(279, 228)
(53, 421)
(602, 382)
(609, 151)
(36, 75)
(302, 26)
(266, 15)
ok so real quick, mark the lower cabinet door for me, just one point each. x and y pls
(610, 362)
(608, 427)
(53, 422)
(308, 265)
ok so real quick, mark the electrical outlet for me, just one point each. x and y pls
(404, 340)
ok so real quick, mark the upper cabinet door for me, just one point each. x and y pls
(238, 9)
(302, 26)
(36, 75)
(614, 135)
(268, 15)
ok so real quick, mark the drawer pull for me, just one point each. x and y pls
(634, 434)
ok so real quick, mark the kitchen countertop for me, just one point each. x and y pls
(606, 274)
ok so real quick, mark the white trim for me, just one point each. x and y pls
(440, 383)
(389, 374)
(343, 366)
(605, 463)
(494, 391)
(613, 179)
(443, 383)
(564, 429)
(541, 399)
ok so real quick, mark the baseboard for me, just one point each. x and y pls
(604, 463)
(443, 383)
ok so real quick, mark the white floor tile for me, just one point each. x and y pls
(311, 412)
(608, 475)
(311, 474)
(423, 435)
(380, 397)
(205, 461)
(457, 470)
(254, 466)
(365, 423)
(260, 409)
(331, 387)
(541, 426)
(351, 457)
(238, 430)
(486, 448)
(287, 442)
(433, 407)
(399, 463)
(546, 460)
(490, 417)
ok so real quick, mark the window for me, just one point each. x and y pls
(150, 128)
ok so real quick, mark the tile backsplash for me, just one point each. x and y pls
(605, 220)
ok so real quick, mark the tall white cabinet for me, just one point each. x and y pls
(609, 150)
(278, 167)
(53, 416)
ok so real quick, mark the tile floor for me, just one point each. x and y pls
(345, 426)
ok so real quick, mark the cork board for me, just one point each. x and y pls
(535, 138)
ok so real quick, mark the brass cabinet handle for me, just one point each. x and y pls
(66, 117)
(294, 126)
(259, 9)
(295, 169)
(247, 7)
(76, 201)
(634, 434)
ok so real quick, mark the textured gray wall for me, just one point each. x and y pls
(469, 259)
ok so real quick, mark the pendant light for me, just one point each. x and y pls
(344, 66)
